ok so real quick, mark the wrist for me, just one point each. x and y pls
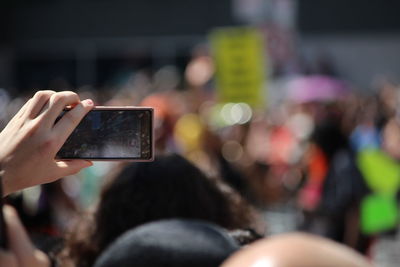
(2, 190)
(4, 182)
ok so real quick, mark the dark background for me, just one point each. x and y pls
(352, 16)
(91, 41)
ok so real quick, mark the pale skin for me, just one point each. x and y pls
(31, 140)
(21, 252)
(296, 250)
(28, 146)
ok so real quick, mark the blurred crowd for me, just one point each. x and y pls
(329, 151)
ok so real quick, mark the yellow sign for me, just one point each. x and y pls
(240, 63)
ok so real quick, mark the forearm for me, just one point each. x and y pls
(2, 185)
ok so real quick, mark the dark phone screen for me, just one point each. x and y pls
(111, 134)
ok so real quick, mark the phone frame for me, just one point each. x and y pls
(151, 135)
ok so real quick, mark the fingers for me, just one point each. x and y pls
(34, 105)
(37, 103)
(55, 106)
(71, 119)
(70, 167)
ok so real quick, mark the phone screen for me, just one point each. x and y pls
(112, 134)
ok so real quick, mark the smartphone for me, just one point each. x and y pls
(112, 133)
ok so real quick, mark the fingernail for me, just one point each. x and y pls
(90, 163)
(89, 102)
(10, 211)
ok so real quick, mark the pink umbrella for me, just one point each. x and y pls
(316, 88)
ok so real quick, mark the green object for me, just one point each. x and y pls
(380, 171)
(379, 213)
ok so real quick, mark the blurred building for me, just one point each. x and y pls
(87, 41)
(90, 41)
(358, 40)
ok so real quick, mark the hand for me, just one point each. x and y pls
(31, 140)
(21, 252)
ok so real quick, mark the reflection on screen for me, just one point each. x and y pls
(105, 134)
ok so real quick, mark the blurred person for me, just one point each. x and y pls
(365, 133)
(334, 187)
(169, 187)
(296, 250)
(388, 100)
(380, 168)
(280, 159)
(166, 112)
(391, 138)
(360, 191)
(175, 243)
(360, 182)
(325, 141)
(198, 74)
(376, 143)
(261, 189)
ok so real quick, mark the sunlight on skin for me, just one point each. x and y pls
(263, 263)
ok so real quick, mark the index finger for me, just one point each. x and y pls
(55, 106)
(64, 127)
(37, 102)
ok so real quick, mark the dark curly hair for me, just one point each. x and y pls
(169, 187)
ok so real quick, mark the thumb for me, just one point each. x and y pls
(69, 167)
